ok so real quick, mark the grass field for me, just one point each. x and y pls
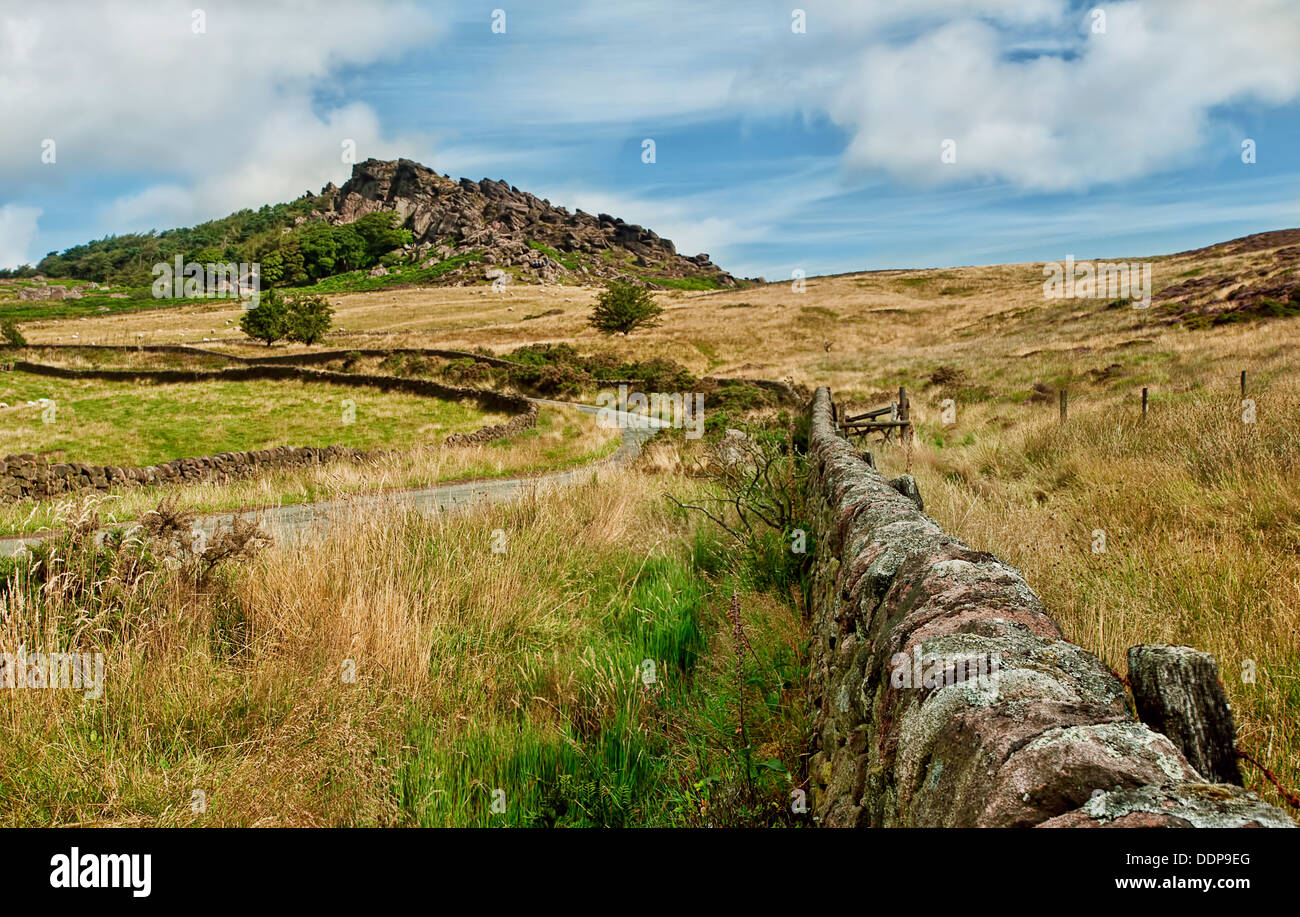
(563, 438)
(134, 423)
(1200, 512)
(399, 671)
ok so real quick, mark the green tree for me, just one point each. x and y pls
(267, 321)
(11, 334)
(623, 308)
(350, 250)
(308, 318)
(380, 232)
(319, 249)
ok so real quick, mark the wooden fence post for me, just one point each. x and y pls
(1243, 383)
(1144, 403)
(904, 413)
(1065, 401)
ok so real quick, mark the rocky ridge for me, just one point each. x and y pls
(498, 221)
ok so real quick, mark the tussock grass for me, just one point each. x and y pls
(397, 669)
(1201, 519)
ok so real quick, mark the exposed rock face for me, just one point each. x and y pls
(41, 293)
(451, 217)
(1044, 737)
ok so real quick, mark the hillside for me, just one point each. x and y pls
(1196, 504)
(510, 228)
(400, 223)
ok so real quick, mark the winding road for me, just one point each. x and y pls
(291, 522)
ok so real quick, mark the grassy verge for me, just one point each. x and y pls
(399, 670)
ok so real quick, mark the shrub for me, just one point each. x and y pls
(308, 318)
(623, 308)
(304, 319)
(465, 370)
(12, 336)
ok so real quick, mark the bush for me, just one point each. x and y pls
(305, 319)
(308, 318)
(623, 308)
(465, 370)
(12, 336)
(266, 321)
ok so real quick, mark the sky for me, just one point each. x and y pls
(823, 137)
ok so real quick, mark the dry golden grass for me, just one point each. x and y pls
(1200, 510)
(285, 692)
(1200, 514)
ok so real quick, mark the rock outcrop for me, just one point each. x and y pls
(498, 221)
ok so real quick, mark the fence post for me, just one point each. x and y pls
(904, 413)
(1144, 403)
(1065, 400)
(1243, 383)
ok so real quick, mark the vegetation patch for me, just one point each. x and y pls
(142, 423)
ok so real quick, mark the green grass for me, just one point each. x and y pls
(570, 260)
(134, 423)
(685, 283)
(358, 282)
(625, 753)
(531, 452)
(138, 299)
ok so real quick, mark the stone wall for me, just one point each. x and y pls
(1046, 739)
(30, 476)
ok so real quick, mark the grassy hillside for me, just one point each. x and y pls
(1200, 512)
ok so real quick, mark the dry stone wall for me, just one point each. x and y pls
(30, 476)
(946, 696)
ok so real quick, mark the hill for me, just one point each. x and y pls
(399, 223)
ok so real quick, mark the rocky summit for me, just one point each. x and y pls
(514, 232)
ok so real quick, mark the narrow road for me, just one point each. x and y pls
(287, 524)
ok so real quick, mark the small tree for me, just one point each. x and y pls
(623, 308)
(267, 320)
(11, 334)
(307, 319)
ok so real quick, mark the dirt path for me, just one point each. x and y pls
(288, 523)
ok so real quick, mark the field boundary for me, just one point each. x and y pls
(30, 476)
(1041, 734)
(785, 390)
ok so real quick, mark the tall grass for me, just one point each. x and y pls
(397, 670)
(1201, 519)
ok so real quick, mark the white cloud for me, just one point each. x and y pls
(17, 230)
(1129, 102)
(227, 118)
(165, 127)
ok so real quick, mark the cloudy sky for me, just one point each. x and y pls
(786, 137)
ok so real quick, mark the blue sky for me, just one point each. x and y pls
(776, 149)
